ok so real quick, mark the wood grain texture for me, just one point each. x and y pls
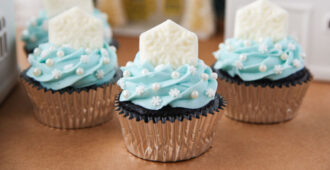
(302, 143)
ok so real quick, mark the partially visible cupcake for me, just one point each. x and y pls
(36, 32)
(72, 77)
(168, 109)
(261, 71)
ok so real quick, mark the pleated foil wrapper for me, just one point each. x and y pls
(72, 110)
(265, 105)
(169, 141)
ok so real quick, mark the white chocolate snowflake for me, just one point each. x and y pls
(210, 93)
(284, 56)
(296, 63)
(156, 101)
(84, 59)
(174, 92)
(127, 73)
(100, 74)
(239, 65)
(56, 74)
(278, 69)
(175, 75)
(139, 90)
(126, 94)
(263, 48)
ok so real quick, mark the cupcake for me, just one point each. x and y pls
(168, 108)
(72, 77)
(261, 70)
(36, 32)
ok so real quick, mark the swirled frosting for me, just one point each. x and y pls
(60, 67)
(155, 87)
(265, 59)
(36, 32)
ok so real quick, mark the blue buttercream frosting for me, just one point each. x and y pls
(153, 88)
(36, 32)
(60, 67)
(255, 60)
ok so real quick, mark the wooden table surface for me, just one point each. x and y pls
(303, 143)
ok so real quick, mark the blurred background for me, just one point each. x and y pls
(212, 20)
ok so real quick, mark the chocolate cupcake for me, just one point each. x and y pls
(261, 71)
(168, 109)
(36, 32)
(72, 77)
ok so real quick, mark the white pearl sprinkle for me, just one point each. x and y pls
(278, 69)
(239, 65)
(284, 56)
(243, 57)
(193, 70)
(175, 75)
(156, 101)
(210, 93)
(44, 53)
(104, 52)
(194, 94)
(49, 62)
(56, 74)
(229, 47)
(155, 86)
(278, 46)
(262, 68)
(79, 71)
(113, 48)
(205, 76)
(263, 48)
(174, 92)
(296, 63)
(100, 74)
(139, 90)
(291, 46)
(60, 53)
(247, 43)
(36, 72)
(214, 76)
(106, 60)
(221, 45)
(145, 72)
(84, 59)
(126, 94)
(127, 73)
(36, 51)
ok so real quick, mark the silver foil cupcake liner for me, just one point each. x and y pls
(257, 104)
(72, 110)
(169, 141)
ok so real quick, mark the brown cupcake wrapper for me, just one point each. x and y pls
(169, 141)
(72, 110)
(257, 104)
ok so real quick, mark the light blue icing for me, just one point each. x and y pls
(36, 32)
(95, 70)
(266, 52)
(189, 80)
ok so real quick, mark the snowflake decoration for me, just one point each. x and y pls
(56, 74)
(291, 46)
(284, 56)
(126, 94)
(139, 90)
(210, 93)
(174, 92)
(156, 101)
(155, 86)
(122, 84)
(84, 59)
(278, 69)
(263, 48)
(127, 73)
(100, 74)
(230, 47)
